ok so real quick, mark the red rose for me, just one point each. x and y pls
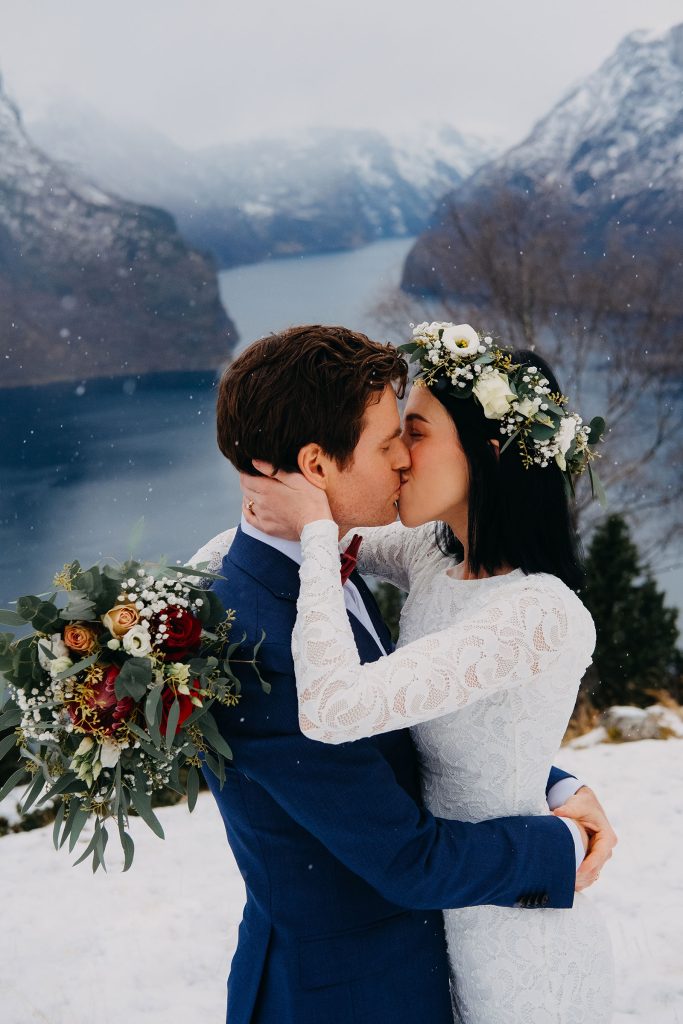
(96, 707)
(185, 703)
(182, 634)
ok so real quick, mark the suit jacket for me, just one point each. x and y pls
(345, 871)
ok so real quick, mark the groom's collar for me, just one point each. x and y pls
(291, 548)
(261, 558)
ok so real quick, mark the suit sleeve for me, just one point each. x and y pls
(348, 797)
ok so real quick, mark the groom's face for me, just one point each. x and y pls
(366, 491)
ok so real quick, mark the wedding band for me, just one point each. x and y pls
(250, 506)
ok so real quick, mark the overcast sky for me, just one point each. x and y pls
(205, 71)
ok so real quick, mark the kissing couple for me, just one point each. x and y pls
(410, 854)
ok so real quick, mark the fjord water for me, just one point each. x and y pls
(81, 463)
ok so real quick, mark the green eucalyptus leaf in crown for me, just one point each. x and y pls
(457, 360)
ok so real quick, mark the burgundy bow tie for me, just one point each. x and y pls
(350, 557)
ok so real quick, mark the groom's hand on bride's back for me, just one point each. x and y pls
(585, 808)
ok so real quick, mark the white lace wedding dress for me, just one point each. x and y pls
(486, 675)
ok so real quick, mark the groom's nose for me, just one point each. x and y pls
(402, 459)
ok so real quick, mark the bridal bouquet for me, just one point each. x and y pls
(110, 695)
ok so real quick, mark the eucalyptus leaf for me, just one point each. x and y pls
(143, 805)
(7, 744)
(13, 781)
(172, 722)
(128, 847)
(192, 787)
(34, 790)
(10, 618)
(210, 731)
(597, 489)
(10, 718)
(47, 618)
(73, 810)
(28, 606)
(597, 429)
(90, 847)
(80, 818)
(59, 820)
(153, 713)
(509, 441)
(78, 667)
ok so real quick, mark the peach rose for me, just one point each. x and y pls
(120, 619)
(79, 637)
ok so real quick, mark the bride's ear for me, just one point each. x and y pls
(495, 444)
(314, 465)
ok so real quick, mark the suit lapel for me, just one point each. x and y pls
(373, 611)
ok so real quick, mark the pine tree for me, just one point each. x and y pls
(636, 633)
(389, 601)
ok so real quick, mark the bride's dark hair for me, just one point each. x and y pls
(517, 516)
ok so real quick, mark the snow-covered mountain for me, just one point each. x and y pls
(91, 285)
(613, 145)
(322, 190)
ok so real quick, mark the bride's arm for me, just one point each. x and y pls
(211, 554)
(519, 635)
(393, 552)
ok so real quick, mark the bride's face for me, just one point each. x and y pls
(436, 485)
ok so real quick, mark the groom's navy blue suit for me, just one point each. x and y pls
(344, 869)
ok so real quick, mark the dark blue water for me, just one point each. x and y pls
(80, 464)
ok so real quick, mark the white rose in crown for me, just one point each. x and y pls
(461, 340)
(528, 407)
(564, 438)
(493, 392)
(137, 641)
(56, 646)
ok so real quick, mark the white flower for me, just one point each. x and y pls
(493, 392)
(564, 437)
(137, 641)
(59, 665)
(56, 645)
(85, 745)
(113, 644)
(179, 672)
(528, 407)
(460, 340)
(109, 754)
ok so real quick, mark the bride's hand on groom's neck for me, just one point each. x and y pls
(281, 504)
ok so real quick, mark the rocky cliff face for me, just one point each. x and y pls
(321, 191)
(613, 147)
(93, 286)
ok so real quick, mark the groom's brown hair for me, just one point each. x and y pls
(305, 384)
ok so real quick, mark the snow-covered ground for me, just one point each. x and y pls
(153, 946)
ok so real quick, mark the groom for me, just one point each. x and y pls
(345, 871)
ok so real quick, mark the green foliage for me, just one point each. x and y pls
(637, 634)
(389, 601)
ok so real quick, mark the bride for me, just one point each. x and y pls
(493, 641)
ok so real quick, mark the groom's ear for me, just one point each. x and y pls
(314, 465)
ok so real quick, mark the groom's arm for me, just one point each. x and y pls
(348, 797)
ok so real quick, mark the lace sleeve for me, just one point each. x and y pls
(393, 553)
(211, 554)
(522, 632)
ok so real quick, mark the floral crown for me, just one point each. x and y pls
(455, 359)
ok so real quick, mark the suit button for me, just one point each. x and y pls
(546, 900)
